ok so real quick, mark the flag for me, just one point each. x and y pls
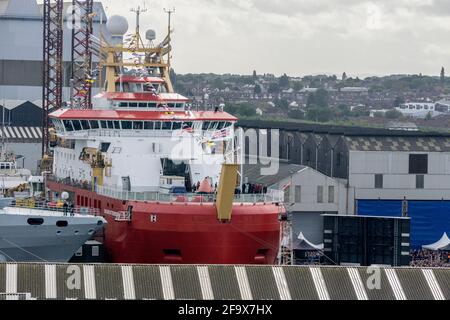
(221, 133)
(187, 128)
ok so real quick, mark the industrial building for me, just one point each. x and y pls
(21, 49)
(373, 172)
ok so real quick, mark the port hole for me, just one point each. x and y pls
(62, 224)
(35, 221)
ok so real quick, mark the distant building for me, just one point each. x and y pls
(359, 90)
(402, 126)
(418, 109)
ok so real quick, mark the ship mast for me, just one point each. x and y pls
(145, 57)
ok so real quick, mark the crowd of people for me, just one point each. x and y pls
(250, 188)
(431, 259)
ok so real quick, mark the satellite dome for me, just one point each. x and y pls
(150, 35)
(65, 195)
(117, 25)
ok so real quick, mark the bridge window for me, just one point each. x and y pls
(152, 105)
(116, 125)
(94, 124)
(167, 125)
(176, 126)
(138, 125)
(126, 125)
(205, 125)
(221, 125)
(76, 125)
(123, 105)
(142, 105)
(157, 125)
(104, 124)
(148, 125)
(68, 125)
(133, 105)
(110, 125)
(85, 125)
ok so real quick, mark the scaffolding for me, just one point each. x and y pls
(52, 66)
(81, 77)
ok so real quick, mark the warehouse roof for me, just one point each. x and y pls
(406, 144)
(254, 173)
(334, 129)
(189, 282)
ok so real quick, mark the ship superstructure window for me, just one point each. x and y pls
(85, 125)
(94, 124)
(68, 125)
(126, 125)
(138, 125)
(148, 125)
(167, 125)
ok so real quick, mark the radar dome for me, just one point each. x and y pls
(65, 195)
(150, 35)
(117, 25)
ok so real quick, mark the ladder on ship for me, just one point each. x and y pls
(285, 251)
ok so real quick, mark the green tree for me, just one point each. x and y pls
(442, 74)
(282, 104)
(296, 114)
(344, 76)
(319, 114)
(274, 88)
(398, 101)
(284, 81)
(257, 91)
(255, 75)
(318, 99)
(428, 116)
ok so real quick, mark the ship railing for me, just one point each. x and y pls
(114, 133)
(271, 197)
(53, 207)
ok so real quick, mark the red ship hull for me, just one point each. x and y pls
(183, 233)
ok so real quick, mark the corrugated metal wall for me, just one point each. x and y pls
(47, 281)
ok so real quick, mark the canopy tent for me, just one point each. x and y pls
(441, 245)
(304, 244)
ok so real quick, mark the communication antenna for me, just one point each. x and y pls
(169, 26)
(138, 11)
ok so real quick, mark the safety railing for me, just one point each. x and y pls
(271, 197)
(31, 208)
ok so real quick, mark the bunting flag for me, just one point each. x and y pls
(221, 133)
(187, 128)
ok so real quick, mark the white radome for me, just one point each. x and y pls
(117, 25)
(65, 195)
(150, 35)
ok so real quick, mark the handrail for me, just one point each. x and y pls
(84, 211)
(273, 197)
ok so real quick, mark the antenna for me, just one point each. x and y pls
(169, 26)
(138, 12)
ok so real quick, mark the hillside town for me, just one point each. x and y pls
(400, 102)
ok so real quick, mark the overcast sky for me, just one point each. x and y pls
(301, 37)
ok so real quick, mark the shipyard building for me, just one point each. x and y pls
(21, 64)
(361, 171)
